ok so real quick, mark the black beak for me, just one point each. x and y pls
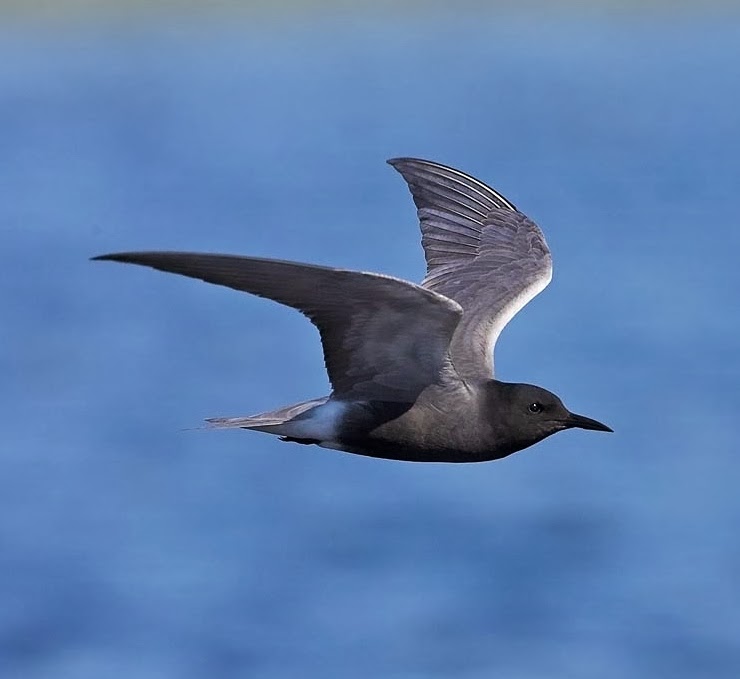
(582, 422)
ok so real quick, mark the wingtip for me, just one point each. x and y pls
(109, 257)
(125, 257)
(400, 160)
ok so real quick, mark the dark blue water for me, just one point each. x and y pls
(131, 548)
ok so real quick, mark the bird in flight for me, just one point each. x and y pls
(411, 366)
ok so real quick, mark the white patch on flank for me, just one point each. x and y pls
(321, 423)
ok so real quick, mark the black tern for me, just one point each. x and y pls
(411, 366)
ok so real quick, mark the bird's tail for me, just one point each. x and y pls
(265, 421)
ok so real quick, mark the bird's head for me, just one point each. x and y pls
(529, 413)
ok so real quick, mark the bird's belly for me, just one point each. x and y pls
(404, 451)
(418, 434)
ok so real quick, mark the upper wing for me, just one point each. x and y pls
(480, 251)
(383, 338)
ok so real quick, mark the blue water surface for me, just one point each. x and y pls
(130, 547)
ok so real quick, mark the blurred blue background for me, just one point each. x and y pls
(132, 548)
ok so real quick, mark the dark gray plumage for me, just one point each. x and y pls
(410, 365)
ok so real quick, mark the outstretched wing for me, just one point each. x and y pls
(383, 338)
(480, 251)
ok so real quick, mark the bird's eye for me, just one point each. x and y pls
(535, 407)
